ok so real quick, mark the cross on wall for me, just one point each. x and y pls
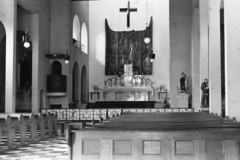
(128, 10)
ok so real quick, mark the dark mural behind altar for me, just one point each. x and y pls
(128, 47)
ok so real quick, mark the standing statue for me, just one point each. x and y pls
(183, 83)
(205, 93)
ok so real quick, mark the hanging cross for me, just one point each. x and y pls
(128, 10)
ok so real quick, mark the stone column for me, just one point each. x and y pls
(214, 57)
(9, 21)
(34, 32)
(195, 61)
(204, 23)
(232, 57)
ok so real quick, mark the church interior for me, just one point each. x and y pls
(68, 65)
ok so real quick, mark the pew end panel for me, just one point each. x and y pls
(54, 117)
(9, 132)
(20, 126)
(87, 144)
(38, 117)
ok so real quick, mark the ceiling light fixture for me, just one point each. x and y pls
(26, 39)
(67, 57)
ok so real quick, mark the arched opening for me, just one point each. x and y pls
(41, 105)
(2, 66)
(56, 68)
(84, 39)
(76, 31)
(84, 85)
(75, 83)
(24, 75)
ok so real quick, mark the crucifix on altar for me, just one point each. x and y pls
(128, 10)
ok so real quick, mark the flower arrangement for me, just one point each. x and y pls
(96, 88)
(162, 88)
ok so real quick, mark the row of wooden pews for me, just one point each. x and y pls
(162, 136)
(37, 124)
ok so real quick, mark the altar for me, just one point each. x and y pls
(127, 93)
(127, 87)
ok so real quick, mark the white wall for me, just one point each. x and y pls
(109, 9)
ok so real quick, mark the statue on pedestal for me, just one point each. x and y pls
(183, 83)
(205, 93)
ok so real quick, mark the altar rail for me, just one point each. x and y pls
(95, 114)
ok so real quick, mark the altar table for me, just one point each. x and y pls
(127, 93)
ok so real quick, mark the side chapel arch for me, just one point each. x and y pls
(84, 85)
(75, 83)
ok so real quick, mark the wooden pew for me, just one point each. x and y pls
(8, 129)
(20, 125)
(54, 117)
(31, 123)
(164, 136)
(38, 118)
(47, 120)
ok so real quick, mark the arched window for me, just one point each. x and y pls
(76, 31)
(84, 39)
(56, 68)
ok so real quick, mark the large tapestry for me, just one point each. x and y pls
(128, 47)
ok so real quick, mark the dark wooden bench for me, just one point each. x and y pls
(20, 126)
(162, 136)
(31, 123)
(54, 118)
(8, 130)
(48, 123)
(38, 118)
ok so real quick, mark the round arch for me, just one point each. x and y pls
(76, 31)
(75, 83)
(84, 39)
(2, 66)
(84, 85)
(56, 68)
(42, 100)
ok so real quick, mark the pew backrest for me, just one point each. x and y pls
(5, 119)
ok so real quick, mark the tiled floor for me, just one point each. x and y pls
(54, 148)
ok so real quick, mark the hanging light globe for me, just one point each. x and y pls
(26, 44)
(147, 40)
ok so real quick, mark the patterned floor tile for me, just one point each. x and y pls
(54, 148)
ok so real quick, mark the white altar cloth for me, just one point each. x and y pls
(127, 93)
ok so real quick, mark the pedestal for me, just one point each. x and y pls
(95, 96)
(182, 100)
(162, 96)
